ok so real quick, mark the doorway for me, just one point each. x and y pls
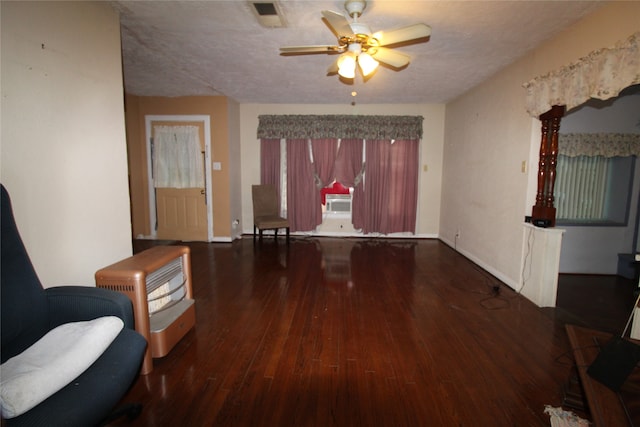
(595, 247)
(179, 211)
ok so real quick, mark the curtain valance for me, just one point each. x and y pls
(602, 74)
(340, 126)
(599, 144)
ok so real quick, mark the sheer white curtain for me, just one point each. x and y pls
(177, 157)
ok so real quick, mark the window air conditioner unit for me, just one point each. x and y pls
(338, 203)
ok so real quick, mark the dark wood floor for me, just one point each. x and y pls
(351, 332)
(596, 301)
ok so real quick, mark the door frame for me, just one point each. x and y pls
(206, 121)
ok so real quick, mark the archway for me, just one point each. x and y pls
(602, 74)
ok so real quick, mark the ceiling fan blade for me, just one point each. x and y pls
(400, 35)
(310, 49)
(333, 68)
(338, 22)
(391, 57)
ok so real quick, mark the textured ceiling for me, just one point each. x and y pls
(180, 48)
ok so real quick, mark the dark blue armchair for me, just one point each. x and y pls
(28, 312)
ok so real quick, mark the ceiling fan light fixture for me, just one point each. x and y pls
(347, 65)
(367, 64)
(358, 47)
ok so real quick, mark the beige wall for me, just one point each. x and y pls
(222, 113)
(488, 135)
(64, 157)
(431, 152)
(235, 175)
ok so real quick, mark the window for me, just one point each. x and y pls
(320, 149)
(593, 190)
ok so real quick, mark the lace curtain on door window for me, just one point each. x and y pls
(177, 157)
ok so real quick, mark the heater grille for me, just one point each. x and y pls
(163, 274)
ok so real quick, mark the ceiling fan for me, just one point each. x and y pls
(358, 45)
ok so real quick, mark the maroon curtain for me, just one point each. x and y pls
(303, 197)
(348, 166)
(375, 195)
(384, 201)
(391, 185)
(270, 162)
(324, 156)
(403, 180)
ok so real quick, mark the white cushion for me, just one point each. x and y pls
(53, 362)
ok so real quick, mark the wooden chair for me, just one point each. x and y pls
(266, 211)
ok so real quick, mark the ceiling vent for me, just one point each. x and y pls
(268, 14)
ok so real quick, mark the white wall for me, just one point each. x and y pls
(428, 218)
(487, 136)
(594, 250)
(63, 136)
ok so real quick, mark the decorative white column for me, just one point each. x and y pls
(540, 264)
